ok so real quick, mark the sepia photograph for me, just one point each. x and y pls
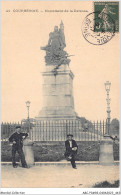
(60, 103)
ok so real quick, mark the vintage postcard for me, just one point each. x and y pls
(60, 82)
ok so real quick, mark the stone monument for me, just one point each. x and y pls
(57, 80)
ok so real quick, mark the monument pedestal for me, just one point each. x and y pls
(57, 94)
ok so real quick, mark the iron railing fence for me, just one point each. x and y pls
(57, 130)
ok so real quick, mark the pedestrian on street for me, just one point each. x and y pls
(17, 140)
(71, 150)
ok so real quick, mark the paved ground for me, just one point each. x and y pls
(57, 176)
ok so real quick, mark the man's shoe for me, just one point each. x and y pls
(75, 167)
(14, 166)
(69, 157)
(25, 166)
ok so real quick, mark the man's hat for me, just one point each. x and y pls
(18, 126)
(69, 135)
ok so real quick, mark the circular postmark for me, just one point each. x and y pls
(98, 28)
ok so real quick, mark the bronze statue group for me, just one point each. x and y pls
(17, 146)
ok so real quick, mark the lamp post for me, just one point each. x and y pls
(107, 88)
(106, 145)
(28, 105)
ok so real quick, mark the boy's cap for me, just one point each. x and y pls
(69, 135)
(18, 126)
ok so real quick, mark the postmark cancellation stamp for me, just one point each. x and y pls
(100, 26)
(106, 13)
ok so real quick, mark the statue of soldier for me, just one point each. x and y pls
(55, 53)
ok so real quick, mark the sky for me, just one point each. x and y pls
(22, 61)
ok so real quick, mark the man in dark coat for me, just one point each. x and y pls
(17, 140)
(71, 150)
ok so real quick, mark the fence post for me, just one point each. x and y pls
(94, 130)
(100, 130)
(103, 128)
(91, 129)
(97, 129)
(106, 152)
(66, 128)
(2, 130)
